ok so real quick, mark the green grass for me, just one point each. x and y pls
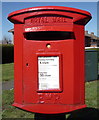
(7, 72)
(10, 111)
(91, 94)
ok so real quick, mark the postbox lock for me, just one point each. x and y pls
(27, 64)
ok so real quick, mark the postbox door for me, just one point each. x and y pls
(45, 80)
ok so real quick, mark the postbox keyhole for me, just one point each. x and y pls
(27, 64)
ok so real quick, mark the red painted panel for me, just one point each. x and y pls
(18, 63)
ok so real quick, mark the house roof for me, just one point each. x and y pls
(11, 30)
(92, 36)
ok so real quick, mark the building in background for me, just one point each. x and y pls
(12, 31)
(91, 40)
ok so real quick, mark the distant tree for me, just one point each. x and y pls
(6, 40)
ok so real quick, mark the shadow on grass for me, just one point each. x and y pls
(50, 116)
(98, 77)
(85, 114)
(82, 114)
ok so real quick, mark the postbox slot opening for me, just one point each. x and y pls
(49, 35)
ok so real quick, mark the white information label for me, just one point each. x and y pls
(48, 73)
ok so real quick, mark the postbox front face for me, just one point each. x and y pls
(49, 59)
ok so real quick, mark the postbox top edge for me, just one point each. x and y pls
(70, 9)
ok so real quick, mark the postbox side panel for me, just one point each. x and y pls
(79, 72)
(18, 63)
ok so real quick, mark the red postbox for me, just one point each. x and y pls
(49, 59)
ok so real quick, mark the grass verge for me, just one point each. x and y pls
(7, 72)
(12, 112)
(92, 94)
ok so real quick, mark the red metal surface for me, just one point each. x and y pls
(70, 50)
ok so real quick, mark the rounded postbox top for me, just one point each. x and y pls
(48, 16)
(67, 11)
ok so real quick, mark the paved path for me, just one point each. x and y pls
(7, 85)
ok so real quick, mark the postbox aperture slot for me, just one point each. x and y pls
(49, 35)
